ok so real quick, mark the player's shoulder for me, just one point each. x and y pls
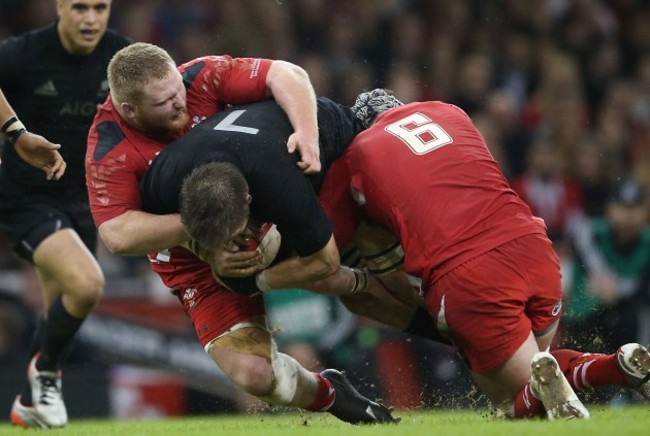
(210, 62)
(201, 66)
(107, 134)
(32, 41)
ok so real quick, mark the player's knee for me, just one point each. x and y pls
(286, 372)
(254, 376)
(274, 383)
(87, 288)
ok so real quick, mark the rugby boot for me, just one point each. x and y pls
(26, 416)
(550, 386)
(350, 406)
(634, 361)
(47, 395)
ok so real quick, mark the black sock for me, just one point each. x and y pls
(34, 347)
(60, 329)
(423, 325)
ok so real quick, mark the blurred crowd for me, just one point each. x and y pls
(560, 89)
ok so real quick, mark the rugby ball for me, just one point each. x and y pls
(267, 243)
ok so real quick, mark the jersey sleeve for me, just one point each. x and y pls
(9, 63)
(111, 181)
(229, 80)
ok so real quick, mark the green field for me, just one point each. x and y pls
(604, 421)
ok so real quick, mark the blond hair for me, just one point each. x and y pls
(133, 66)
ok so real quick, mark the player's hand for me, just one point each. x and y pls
(41, 153)
(232, 261)
(309, 151)
(605, 287)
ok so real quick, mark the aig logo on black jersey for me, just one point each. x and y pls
(79, 108)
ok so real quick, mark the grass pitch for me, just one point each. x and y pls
(604, 421)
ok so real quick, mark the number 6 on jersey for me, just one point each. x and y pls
(420, 133)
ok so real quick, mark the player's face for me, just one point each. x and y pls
(246, 230)
(82, 24)
(627, 221)
(162, 108)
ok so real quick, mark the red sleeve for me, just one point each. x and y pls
(112, 189)
(111, 179)
(229, 80)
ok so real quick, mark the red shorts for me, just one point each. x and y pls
(214, 309)
(489, 305)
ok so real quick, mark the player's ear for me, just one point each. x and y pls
(128, 109)
(249, 198)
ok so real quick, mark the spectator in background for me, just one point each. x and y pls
(591, 174)
(611, 256)
(543, 186)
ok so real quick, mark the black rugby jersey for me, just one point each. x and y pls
(254, 138)
(55, 94)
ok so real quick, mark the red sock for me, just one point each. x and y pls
(325, 396)
(585, 370)
(527, 406)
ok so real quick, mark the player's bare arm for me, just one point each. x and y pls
(33, 149)
(137, 233)
(290, 86)
(320, 272)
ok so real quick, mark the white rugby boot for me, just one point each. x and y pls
(47, 395)
(634, 361)
(26, 416)
(548, 384)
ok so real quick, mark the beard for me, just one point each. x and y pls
(169, 127)
(179, 122)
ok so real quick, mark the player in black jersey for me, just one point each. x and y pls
(55, 77)
(250, 137)
(251, 140)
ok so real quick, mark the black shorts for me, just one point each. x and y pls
(28, 220)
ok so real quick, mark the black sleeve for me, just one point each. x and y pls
(241, 285)
(9, 64)
(336, 130)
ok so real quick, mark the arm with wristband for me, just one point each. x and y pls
(33, 149)
(345, 281)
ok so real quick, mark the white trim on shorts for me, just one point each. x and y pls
(234, 328)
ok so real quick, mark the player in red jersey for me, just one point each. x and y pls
(488, 272)
(151, 103)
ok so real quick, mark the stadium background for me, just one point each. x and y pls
(557, 87)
